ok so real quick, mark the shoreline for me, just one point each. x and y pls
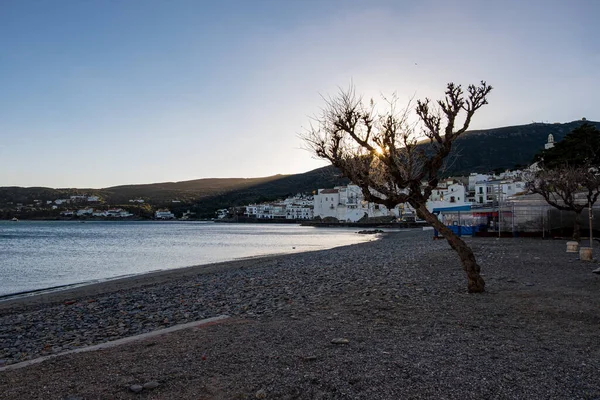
(385, 319)
(61, 293)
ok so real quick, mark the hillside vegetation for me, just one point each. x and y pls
(504, 148)
(477, 151)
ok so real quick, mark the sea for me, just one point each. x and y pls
(51, 255)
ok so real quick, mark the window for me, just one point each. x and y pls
(480, 190)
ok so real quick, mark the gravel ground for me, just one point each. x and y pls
(409, 328)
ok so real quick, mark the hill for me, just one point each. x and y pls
(504, 148)
(477, 151)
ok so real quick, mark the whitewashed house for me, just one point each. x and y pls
(118, 213)
(93, 199)
(298, 211)
(164, 214)
(78, 198)
(187, 215)
(300, 199)
(251, 211)
(493, 191)
(222, 213)
(85, 211)
(346, 203)
(271, 211)
(449, 191)
(474, 178)
(296, 207)
(326, 202)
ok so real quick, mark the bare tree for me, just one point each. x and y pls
(568, 188)
(380, 152)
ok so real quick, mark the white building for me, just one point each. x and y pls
(187, 215)
(299, 211)
(164, 214)
(449, 191)
(271, 211)
(251, 211)
(493, 191)
(85, 211)
(222, 213)
(93, 199)
(300, 199)
(78, 198)
(474, 178)
(326, 202)
(550, 143)
(118, 213)
(296, 207)
(346, 203)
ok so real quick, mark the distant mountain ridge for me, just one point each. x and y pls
(476, 151)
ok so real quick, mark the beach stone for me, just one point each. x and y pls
(340, 341)
(151, 385)
(136, 388)
(261, 394)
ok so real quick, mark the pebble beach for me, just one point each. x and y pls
(387, 319)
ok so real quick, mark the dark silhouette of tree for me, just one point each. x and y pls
(379, 152)
(568, 188)
(568, 173)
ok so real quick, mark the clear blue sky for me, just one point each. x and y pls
(98, 93)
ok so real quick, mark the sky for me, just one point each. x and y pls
(100, 93)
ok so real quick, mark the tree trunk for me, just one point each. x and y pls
(475, 283)
(577, 227)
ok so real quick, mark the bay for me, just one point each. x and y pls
(37, 255)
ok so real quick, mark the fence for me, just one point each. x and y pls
(516, 219)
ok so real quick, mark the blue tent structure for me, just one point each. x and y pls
(465, 207)
(457, 229)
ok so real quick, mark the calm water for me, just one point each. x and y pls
(39, 255)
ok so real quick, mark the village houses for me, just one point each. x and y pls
(298, 207)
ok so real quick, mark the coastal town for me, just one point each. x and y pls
(347, 203)
(469, 201)
(340, 203)
(474, 202)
